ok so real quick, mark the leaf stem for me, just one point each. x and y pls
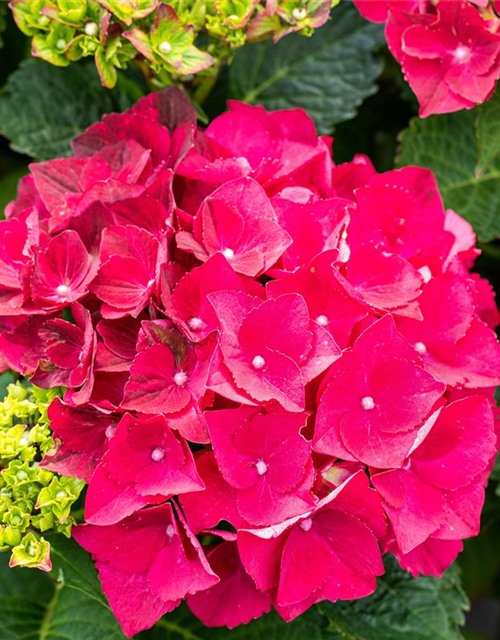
(49, 612)
(175, 628)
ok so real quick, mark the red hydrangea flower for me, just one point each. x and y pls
(375, 399)
(235, 599)
(145, 463)
(439, 493)
(449, 52)
(136, 559)
(311, 558)
(285, 358)
(267, 461)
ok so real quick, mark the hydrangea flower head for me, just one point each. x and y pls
(273, 367)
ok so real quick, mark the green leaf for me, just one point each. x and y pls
(447, 144)
(67, 605)
(328, 74)
(6, 378)
(43, 108)
(8, 187)
(3, 22)
(488, 133)
(402, 607)
(182, 625)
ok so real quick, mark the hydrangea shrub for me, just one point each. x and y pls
(275, 368)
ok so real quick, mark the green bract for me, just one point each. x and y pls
(171, 39)
(32, 499)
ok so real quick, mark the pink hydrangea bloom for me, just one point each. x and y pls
(449, 51)
(260, 350)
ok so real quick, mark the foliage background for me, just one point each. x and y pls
(348, 82)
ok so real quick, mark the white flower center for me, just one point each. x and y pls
(157, 454)
(426, 273)
(299, 13)
(196, 324)
(261, 467)
(60, 495)
(306, 524)
(420, 348)
(22, 475)
(170, 530)
(228, 254)
(322, 320)
(258, 362)
(165, 47)
(180, 378)
(367, 403)
(91, 29)
(61, 44)
(63, 290)
(462, 54)
(110, 431)
(344, 252)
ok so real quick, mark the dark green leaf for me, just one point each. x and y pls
(447, 145)
(402, 607)
(42, 107)
(24, 599)
(5, 379)
(8, 187)
(3, 23)
(488, 133)
(329, 74)
(68, 605)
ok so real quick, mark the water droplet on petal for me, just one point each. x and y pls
(170, 530)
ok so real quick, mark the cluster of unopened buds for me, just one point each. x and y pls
(276, 368)
(162, 33)
(33, 500)
(449, 51)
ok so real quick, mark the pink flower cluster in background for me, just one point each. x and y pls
(276, 368)
(449, 50)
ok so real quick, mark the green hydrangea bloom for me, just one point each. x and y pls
(171, 40)
(33, 500)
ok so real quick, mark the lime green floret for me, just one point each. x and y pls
(33, 500)
(171, 40)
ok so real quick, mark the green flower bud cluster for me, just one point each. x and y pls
(33, 500)
(170, 39)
